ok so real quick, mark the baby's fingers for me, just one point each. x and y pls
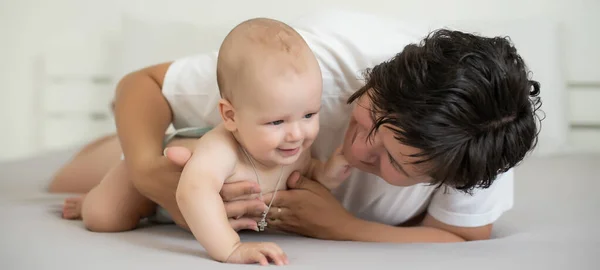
(276, 255)
(258, 257)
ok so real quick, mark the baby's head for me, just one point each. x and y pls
(270, 84)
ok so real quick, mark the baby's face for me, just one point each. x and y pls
(280, 118)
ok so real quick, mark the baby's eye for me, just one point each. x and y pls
(309, 115)
(278, 122)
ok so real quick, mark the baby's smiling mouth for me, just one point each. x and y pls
(289, 151)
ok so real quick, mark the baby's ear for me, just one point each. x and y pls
(227, 114)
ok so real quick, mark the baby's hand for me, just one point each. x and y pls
(337, 167)
(260, 252)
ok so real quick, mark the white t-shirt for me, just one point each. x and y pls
(345, 44)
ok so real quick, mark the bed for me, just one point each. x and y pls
(552, 226)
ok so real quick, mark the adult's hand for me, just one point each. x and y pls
(242, 214)
(308, 209)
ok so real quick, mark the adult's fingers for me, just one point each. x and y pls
(283, 198)
(279, 225)
(279, 213)
(244, 208)
(243, 224)
(297, 181)
(178, 155)
(230, 191)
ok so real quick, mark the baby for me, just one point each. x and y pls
(270, 85)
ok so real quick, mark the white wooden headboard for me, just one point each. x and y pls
(73, 91)
(92, 35)
(75, 85)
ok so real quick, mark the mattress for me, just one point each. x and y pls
(554, 225)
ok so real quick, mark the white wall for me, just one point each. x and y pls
(30, 27)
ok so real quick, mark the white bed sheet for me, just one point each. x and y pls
(554, 225)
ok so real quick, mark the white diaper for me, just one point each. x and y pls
(161, 216)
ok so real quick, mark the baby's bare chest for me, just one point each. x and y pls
(268, 180)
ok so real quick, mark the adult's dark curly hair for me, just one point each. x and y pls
(465, 101)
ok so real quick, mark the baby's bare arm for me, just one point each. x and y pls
(198, 196)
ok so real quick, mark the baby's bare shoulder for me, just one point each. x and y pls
(219, 136)
(217, 145)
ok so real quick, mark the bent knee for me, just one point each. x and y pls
(103, 221)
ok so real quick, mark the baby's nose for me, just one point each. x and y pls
(293, 133)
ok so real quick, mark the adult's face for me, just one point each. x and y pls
(381, 154)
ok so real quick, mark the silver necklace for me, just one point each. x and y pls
(263, 221)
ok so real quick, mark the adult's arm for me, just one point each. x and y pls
(430, 230)
(142, 115)
(309, 209)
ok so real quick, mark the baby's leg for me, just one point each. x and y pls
(114, 205)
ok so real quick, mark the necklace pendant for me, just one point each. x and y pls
(262, 224)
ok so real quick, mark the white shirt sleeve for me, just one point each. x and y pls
(191, 89)
(483, 207)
